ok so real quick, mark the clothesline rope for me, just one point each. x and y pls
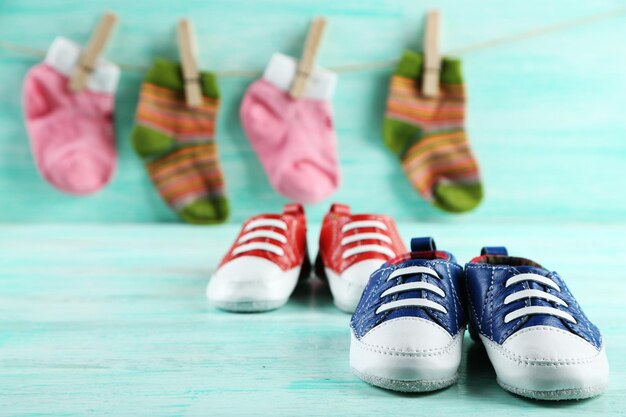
(501, 40)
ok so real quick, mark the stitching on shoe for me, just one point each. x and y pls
(455, 298)
(471, 304)
(522, 360)
(490, 298)
(370, 298)
(497, 267)
(583, 320)
(520, 322)
(425, 321)
(549, 329)
(458, 338)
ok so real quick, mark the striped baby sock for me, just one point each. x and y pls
(428, 135)
(178, 145)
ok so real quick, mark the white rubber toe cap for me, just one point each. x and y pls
(407, 349)
(547, 343)
(251, 279)
(408, 334)
(550, 363)
(349, 285)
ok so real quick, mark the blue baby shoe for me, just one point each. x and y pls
(407, 330)
(538, 340)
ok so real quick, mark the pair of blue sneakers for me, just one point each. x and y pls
(408, 328)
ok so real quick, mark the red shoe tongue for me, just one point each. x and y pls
(357, 217)
(340, 208)
(293, 208)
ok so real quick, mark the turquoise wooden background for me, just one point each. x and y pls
(547, 114)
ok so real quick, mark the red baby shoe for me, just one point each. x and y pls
(352, 246)
(263, 266)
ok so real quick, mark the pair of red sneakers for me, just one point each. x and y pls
(269, 258)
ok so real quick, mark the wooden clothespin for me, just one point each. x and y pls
(189, 62)
(432, 58)
(89, 57)
(307, 60)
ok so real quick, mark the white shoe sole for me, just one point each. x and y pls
(548, 380)
(246, 306)
(405, 386)
(406, 371)
(557, 395)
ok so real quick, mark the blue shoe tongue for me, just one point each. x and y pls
(423, 244)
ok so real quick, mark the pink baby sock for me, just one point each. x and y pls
(71, 134)
(294, 139)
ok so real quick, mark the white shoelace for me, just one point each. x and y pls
(411, 286)
(255, 230)
(383, 237)
(527, 293)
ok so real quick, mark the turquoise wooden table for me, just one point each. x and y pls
(113, 321)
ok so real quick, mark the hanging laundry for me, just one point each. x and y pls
(287, 117)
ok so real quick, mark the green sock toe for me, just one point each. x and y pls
(458, 198)
(205, 211)
(148, 142)
(400, 136)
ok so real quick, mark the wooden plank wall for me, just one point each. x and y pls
(547, 114)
